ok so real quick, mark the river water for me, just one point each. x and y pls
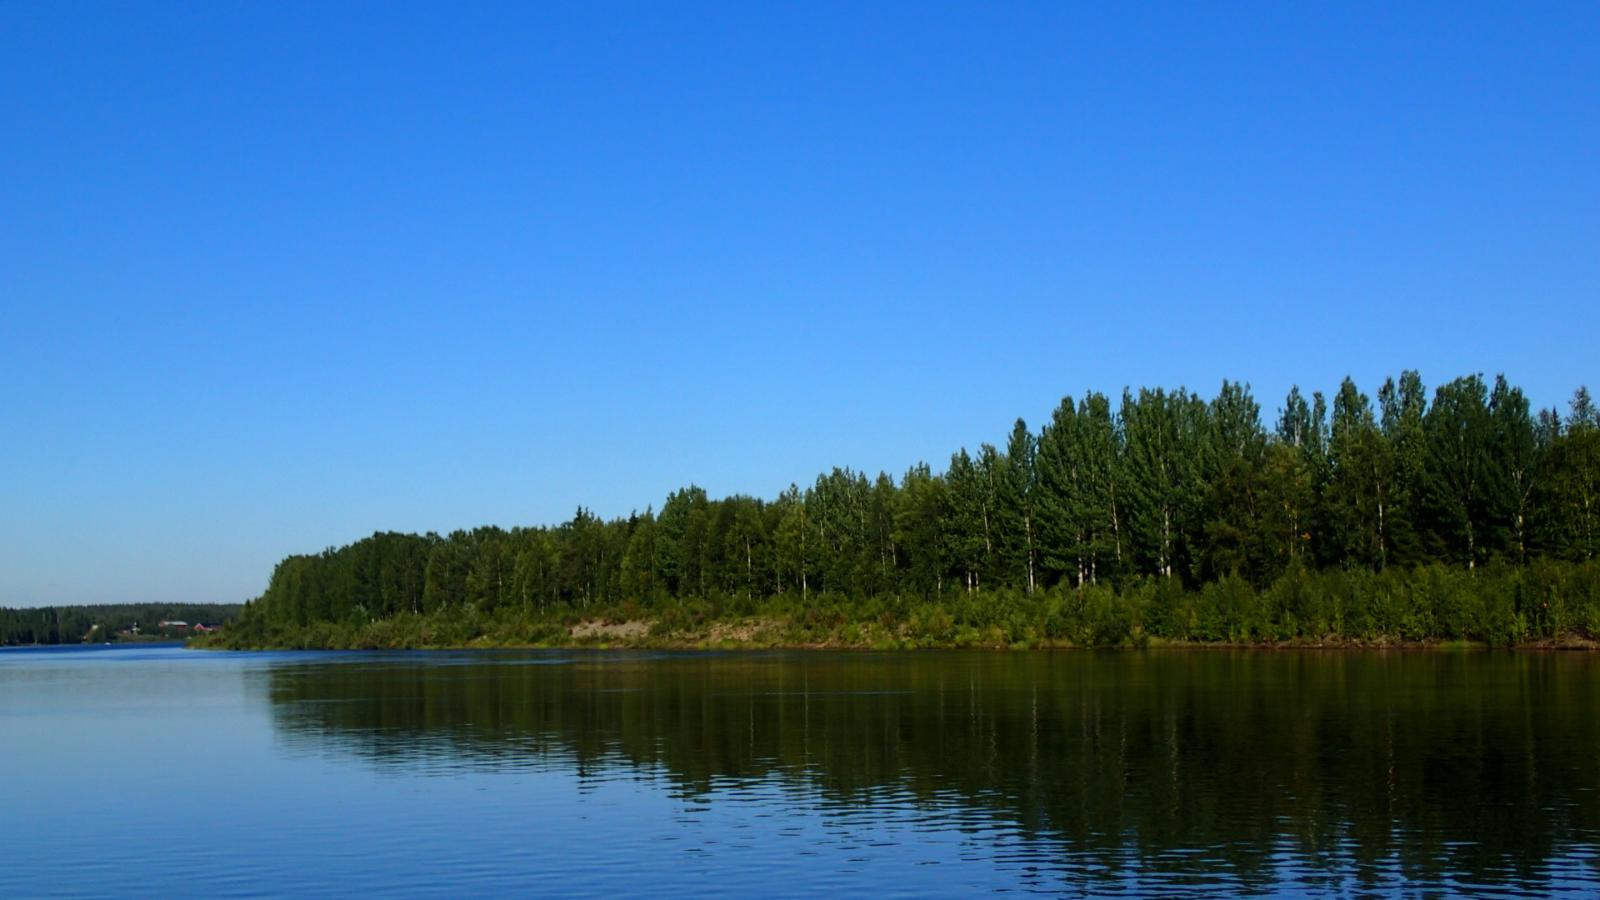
(156, 771)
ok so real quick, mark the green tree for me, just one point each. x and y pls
(1459, 471)
(1358, 496)
(919, 528)
(639, 560)
(1233, 541)
(794, 541)
(1403, 406)
(964, 525)
(680, 541)
(1015, 479)
(1167, 455)
(1514, 459)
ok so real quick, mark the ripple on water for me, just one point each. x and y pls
(902, 775)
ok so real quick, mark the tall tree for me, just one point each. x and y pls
(1403, 406)
(1081, 496)
(680, 541)
(1063, 496)
(1358, 498)
(919, 528)
(1459, 469)
(1101, 450)
(1513, 456)
(794, 541)
(1232, 539)
(1166, 459)
(639, 560)
(1572, 495)
(1301, 429)
(1014, 513)
(966, 520)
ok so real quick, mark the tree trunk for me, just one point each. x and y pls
(1166, 542)
(1027, 526)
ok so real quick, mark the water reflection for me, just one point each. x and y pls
(1190, 771)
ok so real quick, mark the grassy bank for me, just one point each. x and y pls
(1538, 605)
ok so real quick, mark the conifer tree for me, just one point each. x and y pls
(1062, 495)
(1101, 449)
(1014, 513)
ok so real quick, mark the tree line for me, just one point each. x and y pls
(1163, 487)
(103, 622)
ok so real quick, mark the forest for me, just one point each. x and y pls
(104, 622)
(1467, 515)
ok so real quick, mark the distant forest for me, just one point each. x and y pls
(77, 624)
(1165, 514)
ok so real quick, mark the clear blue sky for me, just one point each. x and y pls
(276, 276)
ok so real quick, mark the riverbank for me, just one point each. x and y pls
(1543, 605)
(766, 633)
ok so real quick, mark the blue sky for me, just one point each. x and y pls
(275, 276)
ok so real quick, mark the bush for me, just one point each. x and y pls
(1499, 603)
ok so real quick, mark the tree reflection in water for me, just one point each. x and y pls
(1462, 767)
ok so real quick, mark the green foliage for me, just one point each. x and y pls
(107, 622)
(1172, 517)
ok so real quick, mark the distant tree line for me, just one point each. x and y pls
(1164, 487)
(105, 622)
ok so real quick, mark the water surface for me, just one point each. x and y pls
(159, 771)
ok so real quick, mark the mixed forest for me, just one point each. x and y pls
(1164, 515)
(108, 622)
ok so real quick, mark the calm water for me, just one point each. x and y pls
(158, 771)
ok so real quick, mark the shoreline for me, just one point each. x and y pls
(749, 635)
